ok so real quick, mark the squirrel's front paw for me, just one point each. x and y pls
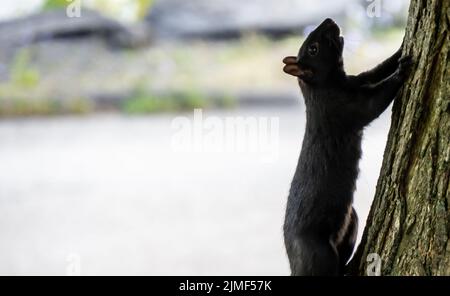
(404, 67)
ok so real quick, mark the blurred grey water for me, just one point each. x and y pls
(110, 190)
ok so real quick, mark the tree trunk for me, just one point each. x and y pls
(409, 223)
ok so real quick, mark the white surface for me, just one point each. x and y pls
(110, 190)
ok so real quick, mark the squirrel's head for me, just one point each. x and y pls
(319, 56)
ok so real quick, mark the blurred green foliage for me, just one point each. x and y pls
(114, 8)
(143, 7)
(24, 78)
(22, 73)
(146, 102)
(54, 4)
(42, 107)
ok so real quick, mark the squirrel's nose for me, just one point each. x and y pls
(329, 21)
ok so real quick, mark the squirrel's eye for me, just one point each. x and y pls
(313, 49)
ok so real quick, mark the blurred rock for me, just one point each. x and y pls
(221, 19)
(56, 25)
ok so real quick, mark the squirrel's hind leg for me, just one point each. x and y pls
(313, 256)
(345, 248)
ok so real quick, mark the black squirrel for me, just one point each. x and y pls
(321, 225)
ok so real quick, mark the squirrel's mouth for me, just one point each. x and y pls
(296, 68)
(305, 71)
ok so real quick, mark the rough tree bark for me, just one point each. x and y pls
(409, 222)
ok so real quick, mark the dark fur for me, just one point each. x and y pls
(321, 225)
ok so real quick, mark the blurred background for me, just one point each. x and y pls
(105, 168)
